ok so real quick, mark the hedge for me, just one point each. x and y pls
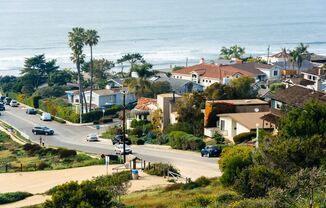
(13, 197)
(246, 136)
(184, 141)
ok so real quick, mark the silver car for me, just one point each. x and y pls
(92, 137)
(119, 149)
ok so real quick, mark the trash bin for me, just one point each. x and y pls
(135, 175)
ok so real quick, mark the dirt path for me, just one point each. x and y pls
(41, 181)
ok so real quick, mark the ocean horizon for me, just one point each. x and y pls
(165, 32)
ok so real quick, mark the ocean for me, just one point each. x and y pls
(166, 32)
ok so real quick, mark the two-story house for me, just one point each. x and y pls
(206, 74)
(232, 117)
(294, 96)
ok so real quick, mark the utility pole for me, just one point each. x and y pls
(187, 62)
(124, 125)
(268, 54)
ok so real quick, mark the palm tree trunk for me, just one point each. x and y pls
(123, 76)
(81, 106)
(85, 102)
(91, 71)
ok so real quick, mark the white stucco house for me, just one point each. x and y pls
(101, 98)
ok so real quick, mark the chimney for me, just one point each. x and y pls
(320, 71)
(202, 61)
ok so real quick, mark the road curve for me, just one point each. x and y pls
(190, 164)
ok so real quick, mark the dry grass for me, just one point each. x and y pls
(160, 198)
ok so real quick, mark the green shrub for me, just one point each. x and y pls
(202, 181)
(202, 201)
(250, 203)
(65, 153)
(190, 185)
(135, 123)
(255, 181)
(13, 197)
(140, 142)
(32, 149)
(227, 198)
(233, 160)
(42, 165)
(105, 120)
(163, 139)
(243, 137)
(184, 141)
(160, 169)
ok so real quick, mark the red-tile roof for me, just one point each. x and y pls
(143, 103)
(221, 71)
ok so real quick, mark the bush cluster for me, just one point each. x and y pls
(13, 197)
(184, 141)
(160, 169)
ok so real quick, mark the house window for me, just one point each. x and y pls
(222, 126)
(309, 77)
(278, 105)
(275, 73)
(314, 78)
(209, 81)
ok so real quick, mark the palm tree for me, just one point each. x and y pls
(76, 43)
(141, 84)
(232, 52)
(91, 39)
(303, 53)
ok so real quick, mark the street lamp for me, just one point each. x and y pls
(124, 92)
(103, 111)
(257, 134)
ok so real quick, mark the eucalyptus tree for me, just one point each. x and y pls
(132, 59)
(91, 39)
(76, 43)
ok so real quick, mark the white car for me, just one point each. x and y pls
(46, 117)
(119, 149)
(92, 137)
(13, 103)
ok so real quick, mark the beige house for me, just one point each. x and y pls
(167, 103)
(232, 124)
(146, 106)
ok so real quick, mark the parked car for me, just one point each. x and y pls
(13, 103)
(119, 149)
(7, 100)
(42, 130)
(2, 107)
(31, 111)
(118, 139)
(211, 151)
(92, 137)
(46, 117)
(2, 98)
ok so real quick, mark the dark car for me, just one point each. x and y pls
(42, 130)
(118, 139)
(31, 111)
(7, 100)
(2, 98)
(211, 151)
(2, 107)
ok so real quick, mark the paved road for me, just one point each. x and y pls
(191, 164)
